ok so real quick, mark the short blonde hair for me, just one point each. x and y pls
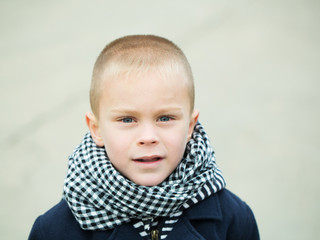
(138, 54)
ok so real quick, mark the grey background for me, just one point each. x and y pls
(257, 83)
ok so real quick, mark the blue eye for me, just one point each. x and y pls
(165, 119)
(127, 120)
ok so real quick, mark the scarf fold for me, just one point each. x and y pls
(101, 198)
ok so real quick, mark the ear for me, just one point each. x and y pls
(93, 126)
(193, 122)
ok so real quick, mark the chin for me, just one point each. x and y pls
(149, 181)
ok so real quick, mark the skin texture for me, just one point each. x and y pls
(144, 123)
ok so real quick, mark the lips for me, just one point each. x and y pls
(148, 159)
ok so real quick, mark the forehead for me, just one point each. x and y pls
(151, 80)
(167, 73)
(125, 75)
(128, 88)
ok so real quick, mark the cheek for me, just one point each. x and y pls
(113, 149)
(116, 145)
(177, 142)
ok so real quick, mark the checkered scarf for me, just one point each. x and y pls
(101, 198)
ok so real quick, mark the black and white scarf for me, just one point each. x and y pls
(101, 198)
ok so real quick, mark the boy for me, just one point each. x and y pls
(146, 170)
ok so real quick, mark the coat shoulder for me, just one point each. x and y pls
(224, 216)
(231, 204)
(238, 217)
(59, 223)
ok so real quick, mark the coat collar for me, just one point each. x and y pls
(209, 208)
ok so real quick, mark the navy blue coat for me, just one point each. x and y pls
(221, 216)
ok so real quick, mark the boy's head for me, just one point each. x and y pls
(142, 98)
(137, 54)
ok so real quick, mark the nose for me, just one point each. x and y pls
(148, 135)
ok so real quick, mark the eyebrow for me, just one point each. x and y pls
(134, 111)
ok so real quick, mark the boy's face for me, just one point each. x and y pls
(144, 124)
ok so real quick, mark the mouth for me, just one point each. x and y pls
(148, 159)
